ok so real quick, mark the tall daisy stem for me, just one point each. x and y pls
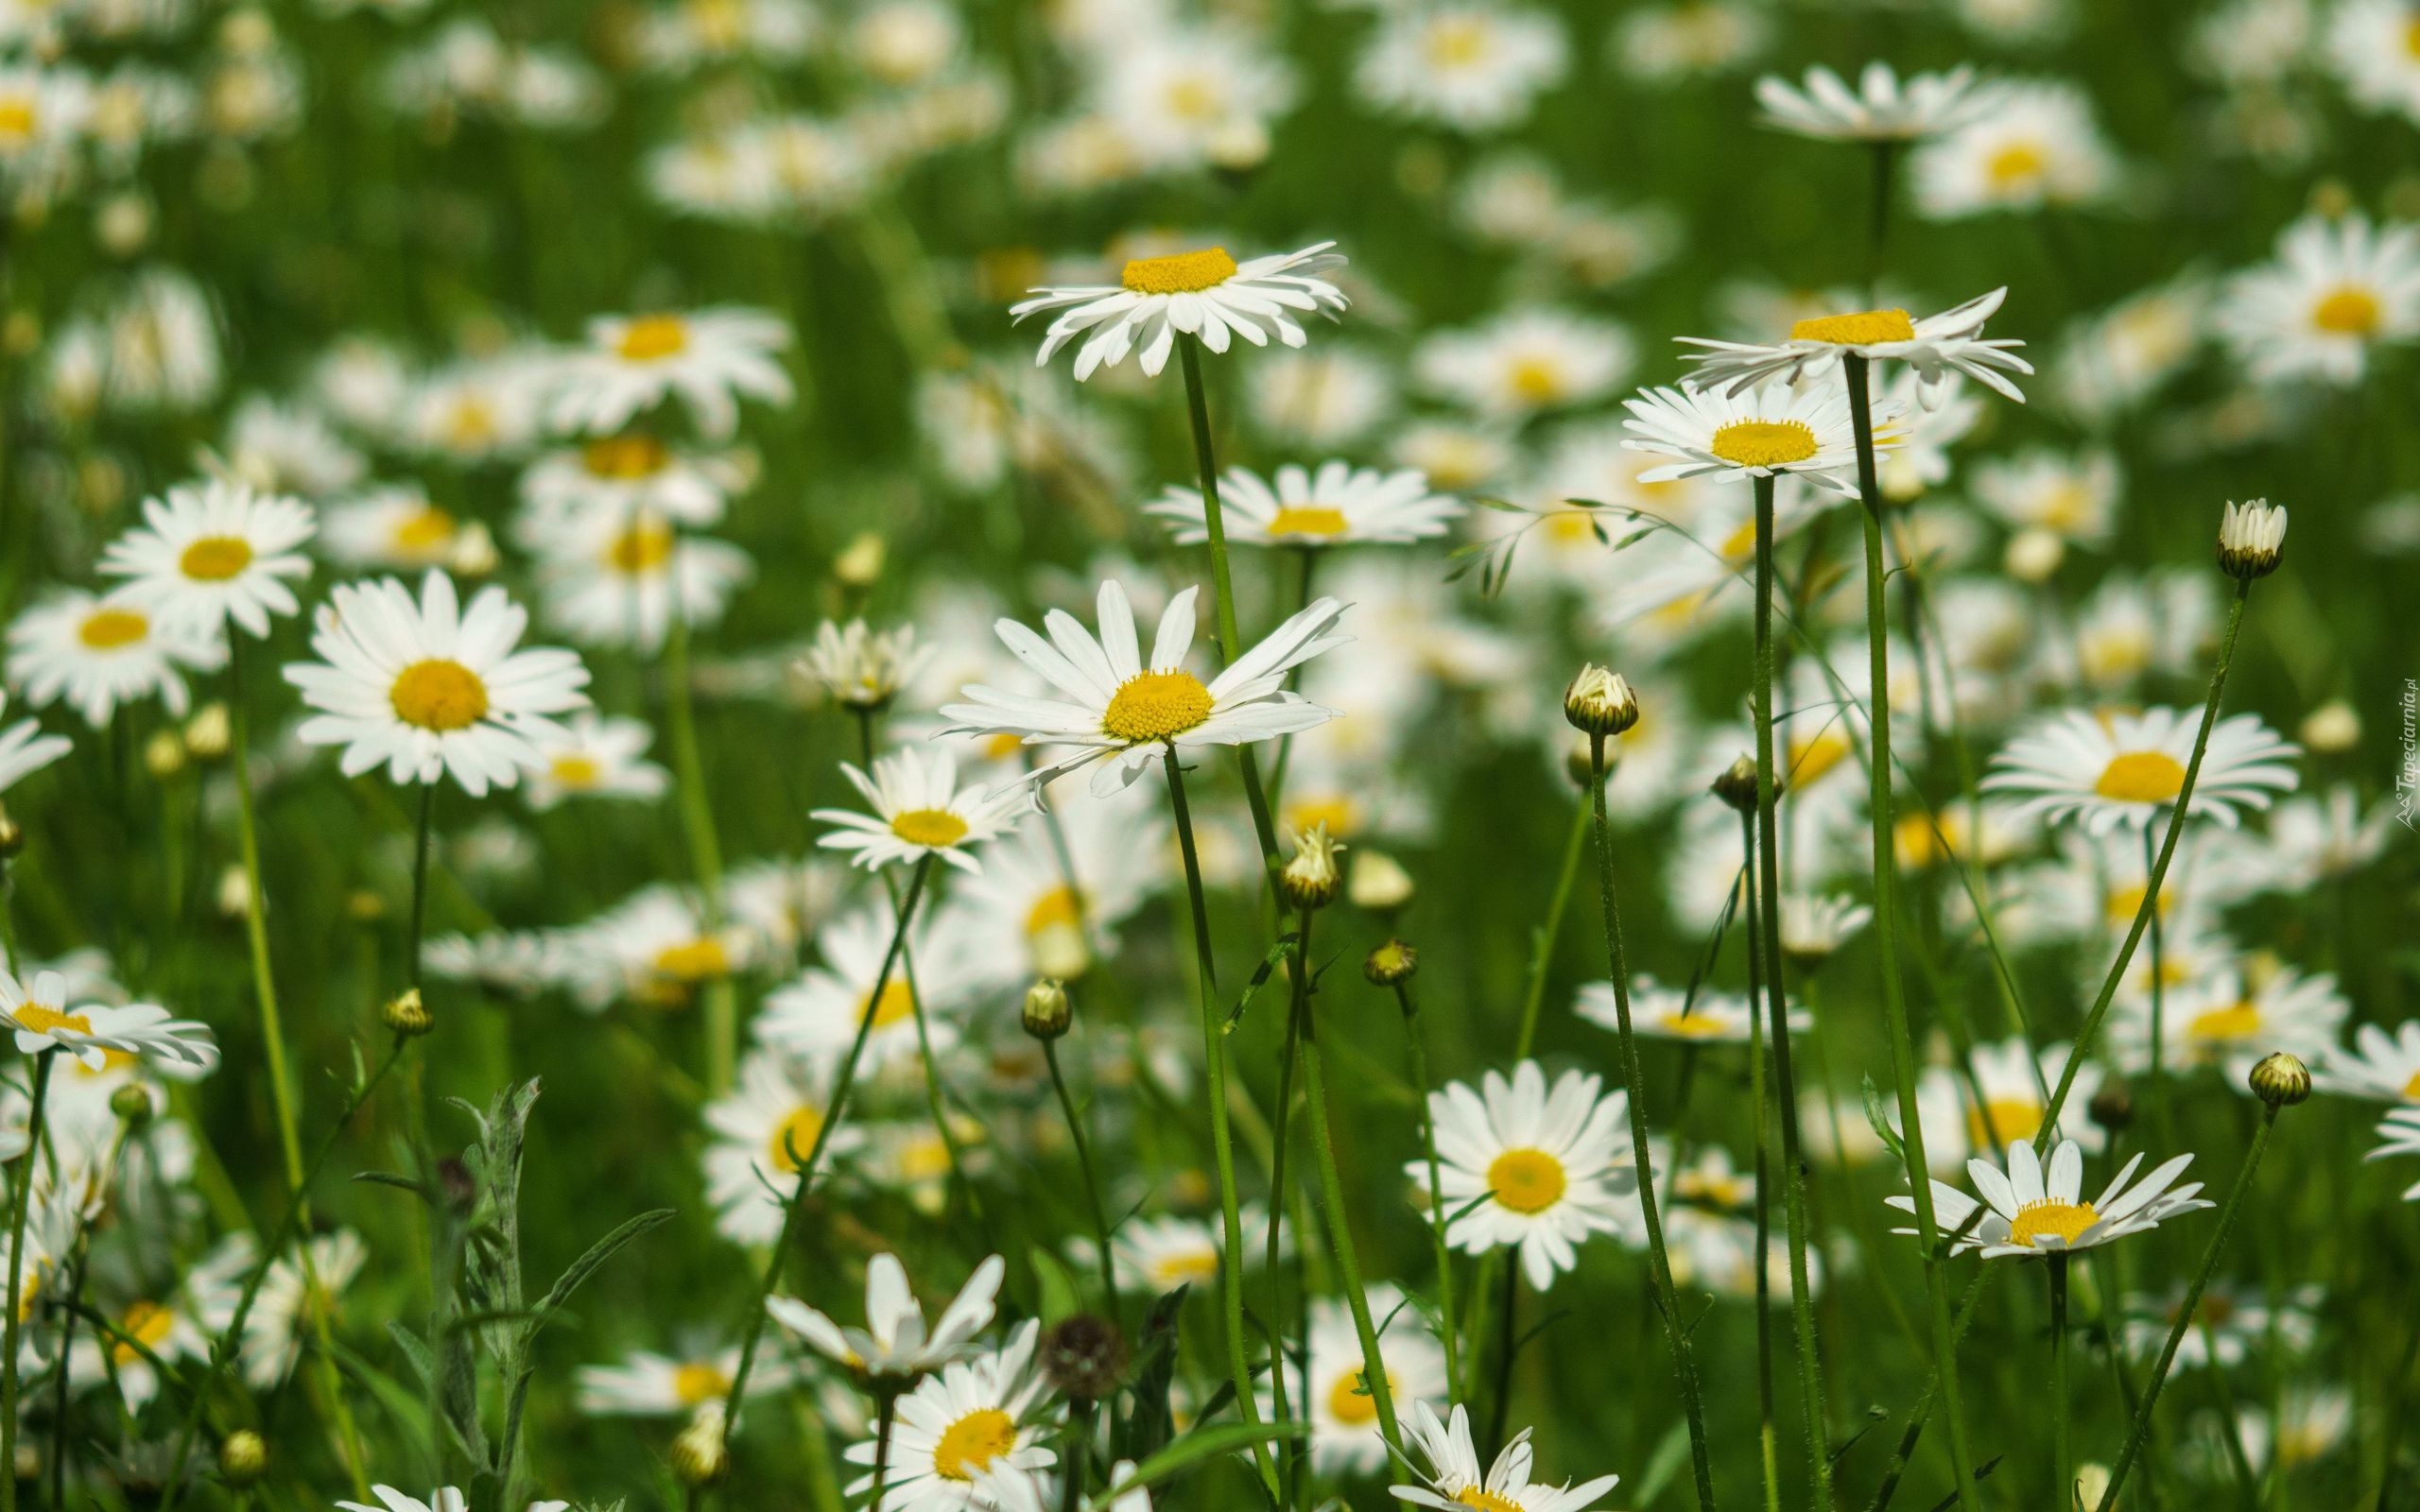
(280, 1083)
(1222, 1144)
(1092, 1185)
(1762, 1139)
(886, 1417)
(1886, 929)
(1534, 994)
(1420, 1085)
(2062, 1461)
(20, 1191)
(1659, 1261)
(705, 849)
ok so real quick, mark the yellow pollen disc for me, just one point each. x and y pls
(1059, 908)
(40, 1019)
(1454, 42)
(440, 695)
(1864, 329)
(110, 628)
(1154, 705)
(897, 1003)
(973, 1442)
(147, 1322)
(1486, 1501)
(1571, 527)
(2125, 902)
(1525, 1180)
(575, 771)
(801, 1129)
(424, 530)
(1184, 273)
(1539, 380)
(1817, 755)
(2411, 1088)
(930, 827)
(1349, 1403)
(1764, 443)
(2411, 37)
(698, 1382)
(1195, 1266)
(2011, 1119)
(2051, 1217)
(17, 120)
(29, 1290)
(1338, 814)
(2238, 1021)
(721, 25)
(624, 457)
(1000, 747)
(2015, 166)
(651, 336)
(1311, 521)
(694, 960)
(1693, 1025)
(642, 548)
(2347, 311)
(216, 559)
(2141, 776)
(1915, 843)
(471, 423)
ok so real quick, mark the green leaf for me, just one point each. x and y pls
(1877, 1115)
(1664, 1463)
(1195, 1447)
(1060, 1296)
(581, 1269)
(1278, 951)
(416, 1353)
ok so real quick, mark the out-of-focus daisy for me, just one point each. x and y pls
(630, 476)
(2027, 1212)
(426, 689)
(657, 946)
(2314, 1422)
(820, 1014)
(1042, 916)
(2229, 1324)
(1123, 713)
(2014, 1086)
(2103, 771)
(973, 1434)
(1525, 361)
(920, 810)
(25, 749)
(98, 653)
(1339, 505)
(1472, 67)
(2321, 838)
(1345, 1437)
(213, 552)
(2113, 361)
(2072, 497)
(296, 1290)
(1321, 398)
(2229, 1020)
(678, 37)
(394, 527)
(1814, 925)
(2371, 48)
(1522, 1166)
(1689, 39)
(645, 1383)
(590, 755)
(1752, 433)
(1159, 1255)
(893, 1344)
(1453, 1483)
(43, 1018)
(444, 1499)
(751, 1169)
(2038, 147)
(477, 411)
(2379, 1065)
(274, 448)
(2338, 290)
(2399, 1132)
(1935, 347)
(1669, 1013)
(1882, 107)
(1205, 293)
(620, 581)
(861, 668)
(169, 1330)
(711, 358)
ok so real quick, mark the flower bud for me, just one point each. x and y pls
(163, 755)
(131, 1103)
(243, 1458)
(1599, 703)
(1084, 1357)
(475, 553)
(407, 1015)
(12, 835)
(1046, 1015)
(1737, 786)
(2281, 1080)
(702, 1456)
(2332, 729)
(1392, 964)
(1311, 880)
(209, 734)
(1378, 882)
(2033, 555)
(859, 565)
(1579, 763)
(2252, 538)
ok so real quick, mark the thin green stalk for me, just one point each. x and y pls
(1339, 1223)
(1758, 1137)
(280, 1083)
(1659, 1262)
(1092, 1186)
(1222, 1144)
(1420, 1085)
(2063, 1463)
(1292, 1453)
(2158, 1072)
(1534, 995)
(1766, 938)
(1885, 931)
(21, 1190)
(885, 1417)
(705, 849)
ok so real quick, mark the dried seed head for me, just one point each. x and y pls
(1392, 964)
(1084, 1357)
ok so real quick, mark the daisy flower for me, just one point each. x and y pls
(1339, 505)
(43, 1020)
(1034, 919)
(2338, 291)
(1748, 433)
(428, 689)
(1935, 347)
(292, 1294)
(920, 810)
(2372, 48)
(1815, 925)
(818, 1014)
(96, 654)
(25, 749)
(2230, 1019)
(1158, 1255)
(972, 1435)
(1170, 96)
(751, 1172)
(2072, 497)
(1882, 107)
(615, 582)
(2230, 1323)
(591, 755)
(860, 668)
(894, 1343)
(2027, 1212)
(2038, 147)
(213, 552)
(2400, 1130)
(2379, 1065)
(1346, 1436)
(1471, 67)
(444, 1499)
(1124, 713)
(166, 1329)
(2014, 1085)
(393, 528)
(2322, 837)
(1525, 361)
(1667, 1013)
(624, 476)
(646, 1384)
(1548, 1169)
(656, 947)
(711, 358)
(1453, 1483)
(1205, 293)
(2107, 770)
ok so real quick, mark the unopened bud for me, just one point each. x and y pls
(209, 733)
(131, 1103)
(2281, 1080)
(1737, 786)
(1311, 880)
(407, 1015)
(1378, 882)
(1599, 703)
(859, 565)
(700, 1456)
(2033, 555)
(2332, 729)
(12, 835)
(475, 553)
(1392, 964)
(1046, 1015)
(243, 1458)
(2252, 540)
(163, 755)
(2112, 1107)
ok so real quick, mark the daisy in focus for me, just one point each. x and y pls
(711, 358)
(1453, 1483)
(972, 1435)
(97, 654)
(1747, 433)
(1548, 1169)
(43, 1019)
(1936, 348)
(2027, 1213)
(1339, 505)
(2338, 292)
(2104, 771)
(1204, 294)
(1882, 107)
(920, 810)
(895, 1344)
(213, 552)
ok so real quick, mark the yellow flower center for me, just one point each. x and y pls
(2015, 166)
(2124, 903)
(1525, 1180)
(1338, 813)
(17, 121)
(216, 559)
(2065, 507)
(1307, 521)
(36, 1018)
(897, 1003)
(930, 827)
(1454, 42)
(440, 695)
(575, 771)
(2011, 1119)
(110, 628)
(471, 423)
(1184, 273)
(799, 1129)
(2237, 1021)
(973, 1442)
(1572, 528)
(2347, 311)
(2052, 1218)
(1059, 908)
(2411, 1088)
(145, 1322)
(1811, 756)
(424, 530)
(1487, 1501)
(624, 457)
(1001, 746)
(1691, 1025)
(1764, 443)
(698, 1382)
(646, 547)
(1863, 329)
(2411, 37)
(1192, 1265)
(1191, 98)
(1155, 705)
(653, 337)
(1352, 1404)
(693, 960)
(1539, 380)
(720, 24)
(1717, 1191)
(2141, 776)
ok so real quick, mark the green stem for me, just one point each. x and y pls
(884, 1417)
(1885, 931)
(1420, 1085)
(280, 1084)
(1668, 1301)
(1281, 1142)
(1092, 1186)
(21, 1190)
(705, 849)
(2062, 1461)
(1877, 235)
(1761, 1139)
(1533, 996)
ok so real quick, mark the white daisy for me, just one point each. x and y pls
(920, 810)
(2229, 1323)
(656, 948)
(166, 1329)
(1453, 1483)
(619, 581)
(1124, 713)
(2228, 1020)
(819, 1015)
(972, 1435)
(1523, 1166)
(1524, 361)
(213, 552)
(2106, 770)
(1171, 96)
(1345, 1434)
(394, 527)
(428, 689)
(444, 1499)
(277, 448)
(2073, 497)
(1882, 107)
(643, 1383)
(1339, 505)
(1748, 433)
(1472, 67)
(590, 755)
(861, 668)
(711, 358)
(2029, 1212)
(1033, 920)
(2014, 1085)
(894, 1343)
(1205, 293)
(2374, 46)
(43, 1019)
(1815, 925)
(291, 1295)
(2379, 1065)
(25, 749)
(2321, 838)
(2338, 291)
(624, 476)
(1158, 1255)
(1935, 347)
(1668, 1012)
(2401, 1132)
(98, 653)
(2038, 147)
(750, 1170)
